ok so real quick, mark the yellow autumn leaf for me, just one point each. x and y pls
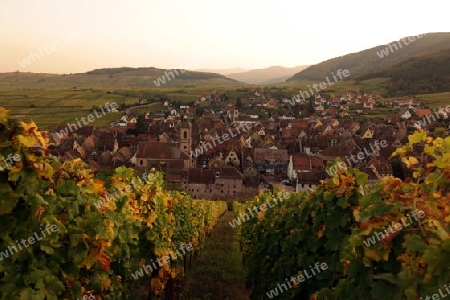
(372, 253)
(368, 230)
(144, 197)
(171, 218)
(398, 152)
(91, 259)
(106, 283)
(47, 171)
(357, 214)
(321, 231)
(336, 181)
(443, 234)
(151, 219)
(161, 252)
(27, 141)
(410, 161)
(28, 127)
(446, 143)
(3, 114)
(31, 130)
(98, 187)
(413, 160)
(261, 215)
(417, 137)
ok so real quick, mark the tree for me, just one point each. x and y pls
(311, 106)
(239, 103)
(141, 125)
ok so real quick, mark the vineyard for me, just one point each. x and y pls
(353, 240)
(64, 235)
(67, 235)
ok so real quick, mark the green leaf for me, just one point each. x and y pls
(26, 294)
(41, 200)
(415, 243)
(432, 178)
(342, 202)
(361, 178)
(7, 204)
(385, 290)
(46, 248)
(389, 277)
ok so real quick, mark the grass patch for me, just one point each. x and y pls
(218, 273)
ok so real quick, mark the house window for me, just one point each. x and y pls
(185, 134)
(141, 162)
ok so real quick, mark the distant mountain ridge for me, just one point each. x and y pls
(270, 75)
(126, 77)
(222, 71)
(377, 58)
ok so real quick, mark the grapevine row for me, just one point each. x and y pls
(388, 240)
(96, 248)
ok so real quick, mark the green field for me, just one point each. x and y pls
(375, 85)
(435, 100)
(50, 99)
(49, 107)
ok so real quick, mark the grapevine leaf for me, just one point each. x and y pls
(417, 137)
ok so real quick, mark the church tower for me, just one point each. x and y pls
(186, 138)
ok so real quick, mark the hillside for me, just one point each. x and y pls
(373, 59)
(269, 75)
(114, 78)
(424, 74)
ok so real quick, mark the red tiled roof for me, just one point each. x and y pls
(152, 149)
(421, 112)
(305, 162)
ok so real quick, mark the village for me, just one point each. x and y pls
(284, 144)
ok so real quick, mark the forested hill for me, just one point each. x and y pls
(377, 58)
(424, 74)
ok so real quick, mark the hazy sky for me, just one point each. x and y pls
(198, 34)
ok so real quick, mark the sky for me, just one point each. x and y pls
(65, 36)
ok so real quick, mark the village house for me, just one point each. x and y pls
(301, 163)
(215, 183)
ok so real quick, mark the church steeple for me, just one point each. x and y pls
(186, 137)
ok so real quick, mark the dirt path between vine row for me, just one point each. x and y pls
(218, 272)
